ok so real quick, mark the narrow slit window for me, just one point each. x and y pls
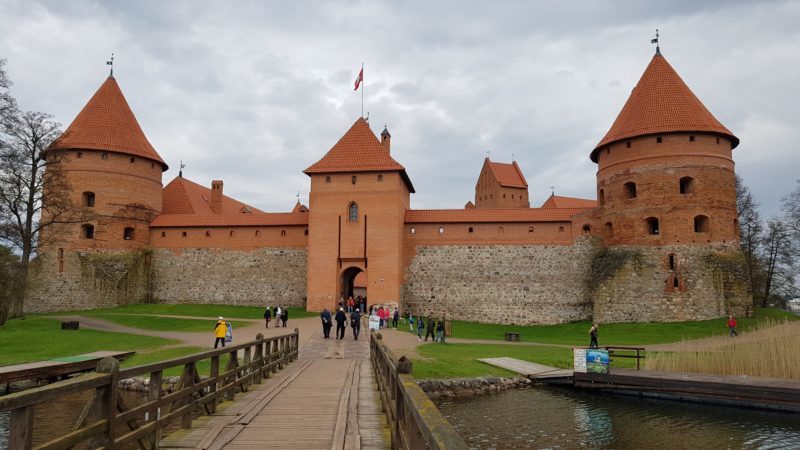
(88, 199)
(652, 226)
(671, 261)
(471, 229)
(87, 231)
(630, 189)
(128, 233)
(686, 185)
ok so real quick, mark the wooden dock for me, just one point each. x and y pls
(57, 367)
(328, 399)
(532, 370)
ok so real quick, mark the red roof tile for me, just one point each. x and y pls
(508, 175)
(107, 123)
(229, 220)
(358, 151)
(556, 201)
(662, 103)
(182, 196)
(491, 215)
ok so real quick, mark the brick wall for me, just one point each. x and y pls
(231, 238)
(514, 284)
(670, 283)
(266, 276)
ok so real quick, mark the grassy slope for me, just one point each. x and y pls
(227, 311)
(577, 333)
(37, 339)
(461, 360)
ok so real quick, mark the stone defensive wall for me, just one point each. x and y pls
(87, 279)
(261, 277)
(509, 284)
(669, 283)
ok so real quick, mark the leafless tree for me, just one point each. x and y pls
(751, 234)
(777, 258)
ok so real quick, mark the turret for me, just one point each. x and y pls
(113, 173)
(665, 168)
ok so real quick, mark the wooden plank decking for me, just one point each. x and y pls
(528, 369)
(56, 367)
(328, 399)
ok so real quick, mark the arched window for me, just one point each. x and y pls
(128, 233)
(471, 229)
(587, 229)
(601, 197)
(609, 229)
(687, 185)
(352, 212)
(701, 224)
(652, 225)
(630, 189)
(87, 231)
(88, 199)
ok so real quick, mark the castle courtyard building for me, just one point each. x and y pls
(660, 243)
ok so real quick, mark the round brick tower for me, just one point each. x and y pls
(667, 209)
(665, 168)
(113, 174)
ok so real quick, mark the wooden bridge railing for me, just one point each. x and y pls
(106, 421)
(414, 420)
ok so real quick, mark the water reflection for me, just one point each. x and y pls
(563, 418)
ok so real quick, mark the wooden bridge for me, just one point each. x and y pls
(334, 395)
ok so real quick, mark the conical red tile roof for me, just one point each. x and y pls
(107, 123)
(662, 103)
(358, 151)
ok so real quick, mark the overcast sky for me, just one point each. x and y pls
(255, 92)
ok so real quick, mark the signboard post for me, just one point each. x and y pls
(590, 360)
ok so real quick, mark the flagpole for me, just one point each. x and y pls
(362, 88)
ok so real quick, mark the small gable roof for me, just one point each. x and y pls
(107, 123)
(662, 103)
(557, 201)
(508, 175)
(358, 151)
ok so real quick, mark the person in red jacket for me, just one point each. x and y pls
(732, 325)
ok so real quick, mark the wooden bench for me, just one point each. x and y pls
(512, 337)
(70, 325)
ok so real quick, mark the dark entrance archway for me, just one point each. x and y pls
(348, 281)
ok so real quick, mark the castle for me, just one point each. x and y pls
(660, 243)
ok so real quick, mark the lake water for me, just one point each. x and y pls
(550, 417)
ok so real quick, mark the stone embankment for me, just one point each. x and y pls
(469, 387)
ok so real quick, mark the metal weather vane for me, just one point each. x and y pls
(655, 41)
(110, 62)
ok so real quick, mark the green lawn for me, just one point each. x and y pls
(38, 338)
(164, 323)
(211, 311)
(461, 360)
(577, 333)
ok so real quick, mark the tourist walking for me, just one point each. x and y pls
(327, 323)
(276, 313)
(285, 316)
(431, 329)
(267, 316)
(593, 336)
(410, 322)
(220, 330)
(351, 304)
(340, 318)
(732, 325)
(420, 327)
(355, 322)
(395, 318)
(440, 331)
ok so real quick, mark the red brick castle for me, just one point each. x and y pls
(659, 244)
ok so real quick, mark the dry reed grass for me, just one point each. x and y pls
(771, 350)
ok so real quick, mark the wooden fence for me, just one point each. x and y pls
(106, 421)
(414, 420)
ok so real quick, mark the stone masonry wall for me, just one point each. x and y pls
(88, 279)
(524, 284)
(670, 283)
(266, 276)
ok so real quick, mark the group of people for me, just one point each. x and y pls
(341, 319)
(281, 316)
(352, 304)
(435, 328)
(384, 315)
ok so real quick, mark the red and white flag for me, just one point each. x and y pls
(359, 79)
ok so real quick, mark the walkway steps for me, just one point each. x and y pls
(529, 369)
(57, 367)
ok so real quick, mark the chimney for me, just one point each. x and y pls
(386, 139)
(216, 196)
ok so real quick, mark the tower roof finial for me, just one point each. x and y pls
(110, 62)
(180, 171)
(655, 41)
